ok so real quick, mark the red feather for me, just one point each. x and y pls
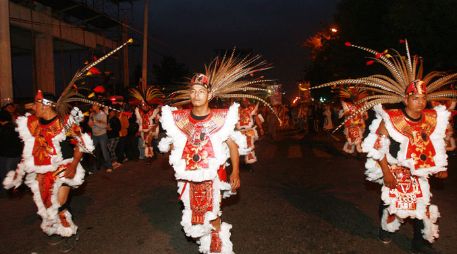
(99, 89)
(94, 71)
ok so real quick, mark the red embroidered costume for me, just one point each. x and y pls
(42, 163)
(147, 116)
(199, 157)
(200, 148)
(422, 153)
(420, 133)
(247, 126)
(354, 127)
(148, 122)
(42, 158)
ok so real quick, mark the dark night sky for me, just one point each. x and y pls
(191, 30)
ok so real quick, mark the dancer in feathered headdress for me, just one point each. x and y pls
(203, 139)
(48, 171)
(420, 132)
(147, 117)
(354, 124)
(250, 120)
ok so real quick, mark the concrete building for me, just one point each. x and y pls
(43, 42)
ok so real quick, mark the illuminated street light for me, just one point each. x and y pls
(334, 30)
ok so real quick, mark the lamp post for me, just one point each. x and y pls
(144, 71)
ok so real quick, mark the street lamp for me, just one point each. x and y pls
(334, 30)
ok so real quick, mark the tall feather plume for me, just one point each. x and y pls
(70, 93)
(391, 89)
(148, 95)
(352, 93)
(226, 78)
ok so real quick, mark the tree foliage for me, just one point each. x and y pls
(170, 73)
(428, 25)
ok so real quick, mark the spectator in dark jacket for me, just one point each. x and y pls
(11, 148)
(132, 139)
(114, 126)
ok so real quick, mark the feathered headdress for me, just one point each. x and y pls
(352, 93)
(70, 93)
(147, 96)
(406, 77)
(224, 78)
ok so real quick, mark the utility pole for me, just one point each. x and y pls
(6, 75)
(144, 71)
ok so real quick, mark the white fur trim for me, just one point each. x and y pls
(392, 226)
(51, 222)
(369, 142)
(224, 235)
(373, 171)
(437, 139)
(197, 231)
(431, 231)
(217, 139)
(138, 119)
(164, 144)
(14, 177)
(85, 143)
(421, 205)
(29, 141)
(240, 140)
(66, 231)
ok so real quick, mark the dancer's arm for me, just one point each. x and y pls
(235, 159)
(389, 179)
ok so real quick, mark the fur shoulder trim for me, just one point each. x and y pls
(368, 144)
(437, 138)
(29, 140)
(179, 139)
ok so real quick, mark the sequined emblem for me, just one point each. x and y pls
(201, 200)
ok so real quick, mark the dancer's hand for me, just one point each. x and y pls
(235, 181)
(390, 181)
(70, 172)
(441, 175)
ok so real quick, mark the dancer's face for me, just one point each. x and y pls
(416, 103)
(199, 96)
(40, 109)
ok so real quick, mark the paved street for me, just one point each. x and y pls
(303, 196)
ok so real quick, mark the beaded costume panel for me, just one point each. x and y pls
(43, 148)
(408, 189)
(420, 147)
(245, 115)
(198, 148)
